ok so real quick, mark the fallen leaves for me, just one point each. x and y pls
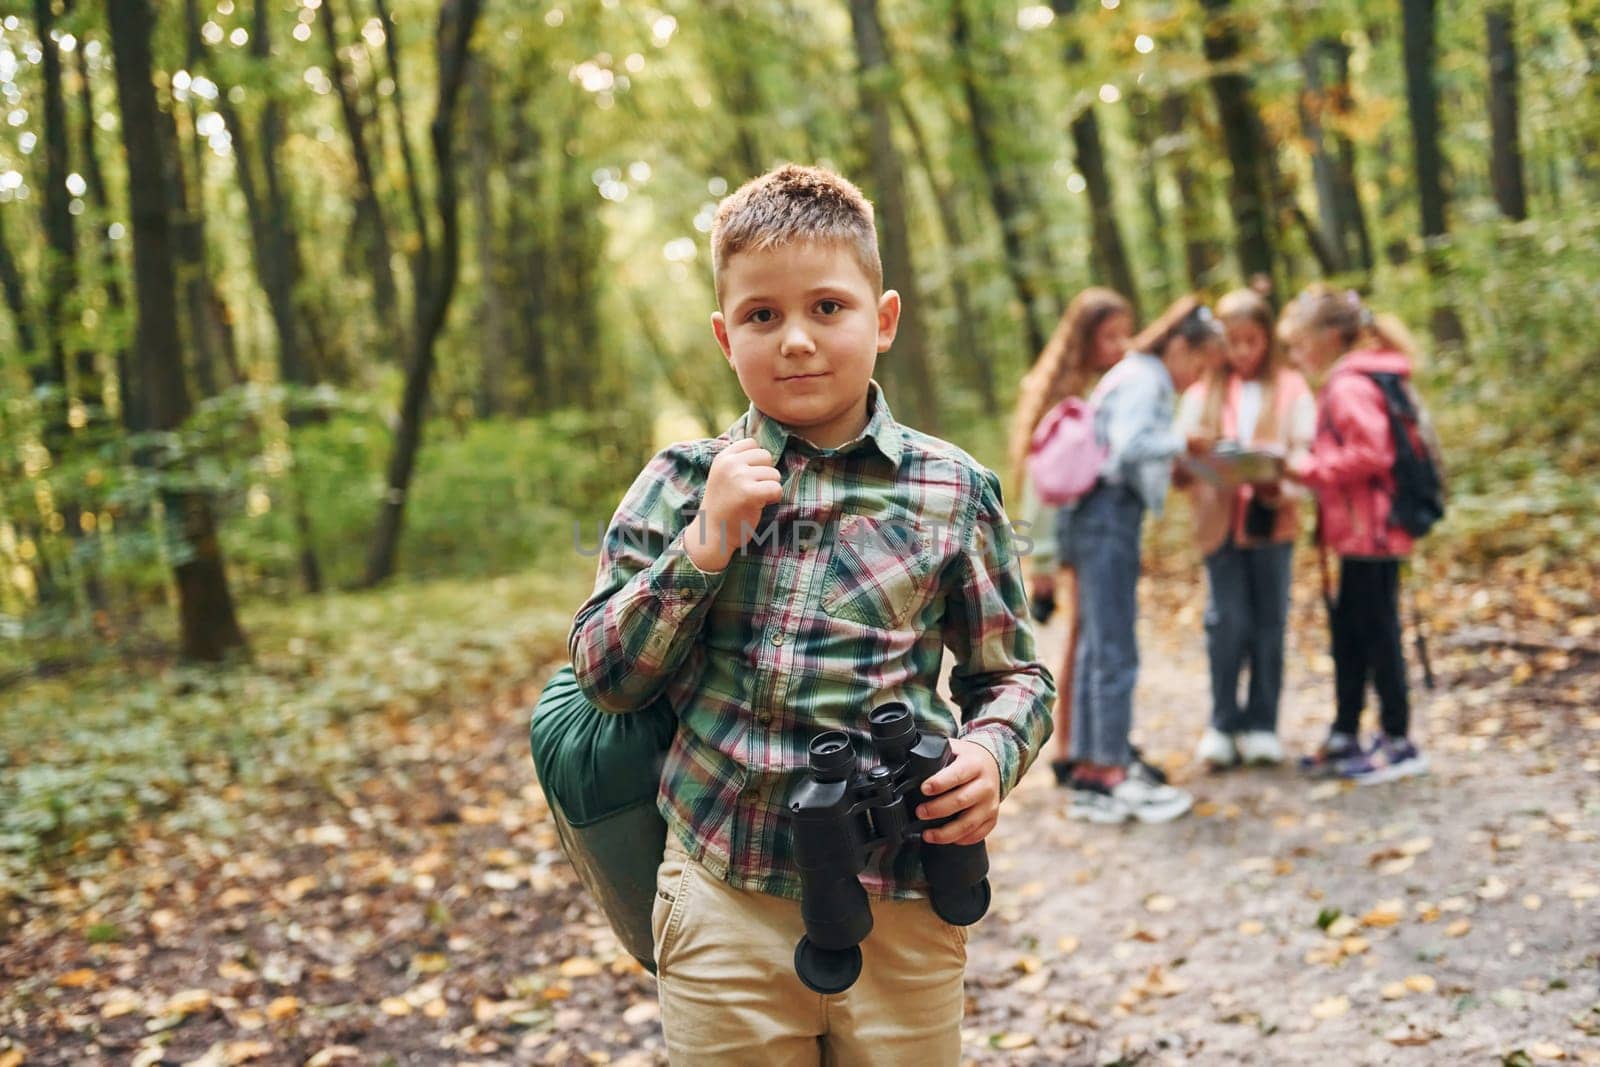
(77, 979)
(283, 1008)
(1416, 983)
(579, 967)
(1459, 928)
(1384, 913)
(1159, 903)
(1330, 1008)
(1155, 984)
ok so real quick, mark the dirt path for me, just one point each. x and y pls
(420, 911)
(1198, 941)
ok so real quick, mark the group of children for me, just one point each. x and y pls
(760, 641)
(1242, 373)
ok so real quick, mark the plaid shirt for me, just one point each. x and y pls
(881, 553)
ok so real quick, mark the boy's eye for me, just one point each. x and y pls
(830, 307)
(761, 315)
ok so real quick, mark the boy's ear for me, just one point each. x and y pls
(719, 328)
(888, 318)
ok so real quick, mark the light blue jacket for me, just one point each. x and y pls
(1133, 419)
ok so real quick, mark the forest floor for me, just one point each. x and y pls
(414, 906)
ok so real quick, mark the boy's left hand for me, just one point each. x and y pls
(969, 788)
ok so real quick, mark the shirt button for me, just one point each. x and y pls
(765, 718)
(777, 639)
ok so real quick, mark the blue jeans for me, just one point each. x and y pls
(1246, 614)
(1100, 539)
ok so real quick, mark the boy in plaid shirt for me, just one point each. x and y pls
(783, 579)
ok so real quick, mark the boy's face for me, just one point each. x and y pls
(802, 327)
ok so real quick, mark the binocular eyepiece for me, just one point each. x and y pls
(844, 816)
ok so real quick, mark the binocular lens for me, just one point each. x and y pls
(832, 757)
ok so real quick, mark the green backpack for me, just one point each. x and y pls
(600, 773)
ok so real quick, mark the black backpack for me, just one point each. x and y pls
(1418, 472)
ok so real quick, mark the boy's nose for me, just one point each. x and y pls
(796, 342)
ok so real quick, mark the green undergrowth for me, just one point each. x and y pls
(92, 751)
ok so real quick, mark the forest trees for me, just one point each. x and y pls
(316, 384)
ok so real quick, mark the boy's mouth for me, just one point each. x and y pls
(803, 377)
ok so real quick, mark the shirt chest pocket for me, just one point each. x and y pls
(881, 572)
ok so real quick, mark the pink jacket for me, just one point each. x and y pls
(1352, 458)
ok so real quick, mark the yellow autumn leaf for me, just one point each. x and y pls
(1547, 1050)
(1459, 928)
(1012, 1040)
(188, 1002)
(1394, 991)
(1533, 902)
(1385, 913)
(429, 962)
(1584, 891)
(237, 1052)
(1330, 1008)
(436, 1008)
(11, 1057)
(1028, 964)
(579, 967)
(1159, 903)
(283, 1008)
(1421, 983)
(234, 971)
(1251, 927)
(1342, 927)
(120, 1002)
(395, 1006)
(1354, 946)
(1416, 846)
(1067, 945)
(299, 887)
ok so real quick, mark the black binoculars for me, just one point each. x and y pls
(842, 817)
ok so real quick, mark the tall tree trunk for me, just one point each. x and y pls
(16, 298)
(1248, 152)
(492, 299)
(1341, 104)
(100, 200)
(1007, 203)
(909, 363)
(1314, 101)
(61, 260)
(1202, 255)
(527, 237)
(1505, 161)
(971, 355)
(422, 259)
(277, 260)
(457, 19)
(372, 232)
(1423, 98)
(1110, 255)
(209, 628)
(1147, 137)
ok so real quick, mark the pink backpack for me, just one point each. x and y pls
(1064, 458)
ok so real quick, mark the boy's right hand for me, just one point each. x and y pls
(743, 480)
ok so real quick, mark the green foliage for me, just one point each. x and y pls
(1517, 411)
(331, 678)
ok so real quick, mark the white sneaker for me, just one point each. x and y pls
(1216, 749)
(1259, 747)
(1097, 805)
(1150, 801)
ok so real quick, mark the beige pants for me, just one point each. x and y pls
(729, 994)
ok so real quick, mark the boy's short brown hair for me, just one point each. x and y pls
(795, 203)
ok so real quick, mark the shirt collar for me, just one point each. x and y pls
(887, 435)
